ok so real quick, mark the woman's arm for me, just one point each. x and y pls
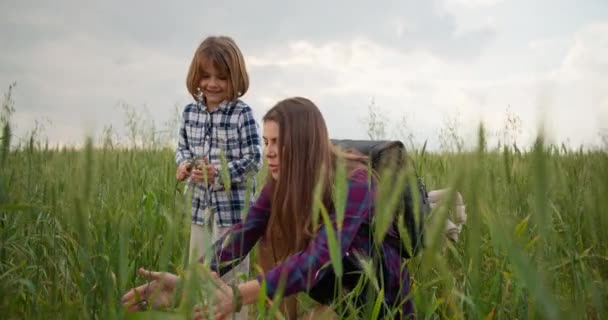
(250, 291)
(230, 249)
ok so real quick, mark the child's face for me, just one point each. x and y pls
(271, 143)
(215, 86)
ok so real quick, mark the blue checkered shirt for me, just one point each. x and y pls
(230, 130)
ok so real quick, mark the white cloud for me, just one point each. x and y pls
(567, 98)
(587, 58)
(582, 84)
(472, 3)
(471, 15)
(346, 76)
(427, 60)
(77, 82)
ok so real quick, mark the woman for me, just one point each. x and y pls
(299, 154)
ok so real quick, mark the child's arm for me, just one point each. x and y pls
(183, 152)
(251, 151)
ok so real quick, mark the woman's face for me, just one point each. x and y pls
(271, 150)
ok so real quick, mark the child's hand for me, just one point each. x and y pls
(198, 175)
(211, 171)
(183, 171)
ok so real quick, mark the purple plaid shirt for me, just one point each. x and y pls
(304, 268)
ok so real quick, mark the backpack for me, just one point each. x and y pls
(383, 153)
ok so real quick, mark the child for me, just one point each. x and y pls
(218, 125)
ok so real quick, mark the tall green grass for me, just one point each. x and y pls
(76, 224)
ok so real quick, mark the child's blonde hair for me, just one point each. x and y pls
(227, 59)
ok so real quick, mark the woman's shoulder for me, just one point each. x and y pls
(360, 176)
(264, 198)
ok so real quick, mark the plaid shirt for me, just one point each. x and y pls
(231, 131)
(303, 269)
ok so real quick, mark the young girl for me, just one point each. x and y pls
(299, 155)
(218, 125)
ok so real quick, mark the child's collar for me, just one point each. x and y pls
(221, 107)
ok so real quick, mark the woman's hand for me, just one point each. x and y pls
(157, 293)
(222, 302)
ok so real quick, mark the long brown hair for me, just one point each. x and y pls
(305, 156)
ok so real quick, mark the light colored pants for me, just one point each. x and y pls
(457, 215)
(198, 247)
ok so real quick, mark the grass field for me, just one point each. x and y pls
(76, 224)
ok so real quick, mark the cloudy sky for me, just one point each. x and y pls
(423, 63)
